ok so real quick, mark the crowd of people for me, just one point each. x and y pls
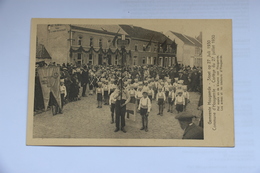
(168, 86)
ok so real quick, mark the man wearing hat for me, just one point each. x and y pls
(122, 97)
(191, 131)
(144, 108)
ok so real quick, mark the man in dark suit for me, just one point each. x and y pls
(191, 131)
(84, 80)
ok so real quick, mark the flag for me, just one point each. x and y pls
(149, 43)
(116, 36)
(174, 45)
(164, 45)
(177, 65)
(50, 82)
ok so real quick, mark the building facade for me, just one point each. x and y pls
(189, 49)
(99, 45)
(150, 47)
(83, 44)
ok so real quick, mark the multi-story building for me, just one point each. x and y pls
(82, 44)
(150, 47)
(189, 49)
(98, 45)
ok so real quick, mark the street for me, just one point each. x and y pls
(82, 119)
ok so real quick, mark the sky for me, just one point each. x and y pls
(189, 27)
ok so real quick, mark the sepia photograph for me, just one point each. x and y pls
(127, 81)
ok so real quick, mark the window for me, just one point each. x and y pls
(79, 59)
(144, 47)
(100, 43)
(148, 48)
(80, 41)
(116, 60)
(91, 42)
(143, 60)
(160, 48)
(135, 60)
(168, 48)
(136, 47)
(155, 48)
(90, 59)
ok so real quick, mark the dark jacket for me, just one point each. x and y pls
(84, 77)
(193, 132)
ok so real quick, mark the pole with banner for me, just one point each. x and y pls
(50, 83)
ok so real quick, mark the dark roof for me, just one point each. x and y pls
(41, 52)
(104, 29)
(145, 34)
(187, 39)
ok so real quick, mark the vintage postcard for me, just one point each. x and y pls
(131, 82)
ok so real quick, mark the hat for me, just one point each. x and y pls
(175, 78)
(144, 91)
(179, 91)
(185, 116)
(181, 71)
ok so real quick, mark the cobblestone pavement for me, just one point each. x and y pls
(81, 119)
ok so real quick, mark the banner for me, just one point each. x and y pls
(50, 82)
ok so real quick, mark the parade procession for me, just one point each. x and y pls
(147, 93)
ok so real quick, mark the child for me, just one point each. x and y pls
(138, 94)
(92, 81)
(131, 106)
(112, 102)
(135, 84)
(151, 93)
(106, 92)
(171, 99)
(175, 84)
(63, 94)
(186, 95)
(112, 86)
(179, 101)
(160, 98)
(100, 93)
(145, 87)
(144, 108)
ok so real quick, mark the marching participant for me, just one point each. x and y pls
(186, 96)
(112, 86)
(131, 106)
(100, 93)
(122, 98)
(160, 98)
(112, 102)
(106, 92)
(136, 84)
(92, 82)
(151, 93)
(144, 108)
(145, 87)
(63, 94)
(139, 94)
(175, 84)
(171, 99)
(179, 101)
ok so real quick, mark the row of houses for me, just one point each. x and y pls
(99, 45)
